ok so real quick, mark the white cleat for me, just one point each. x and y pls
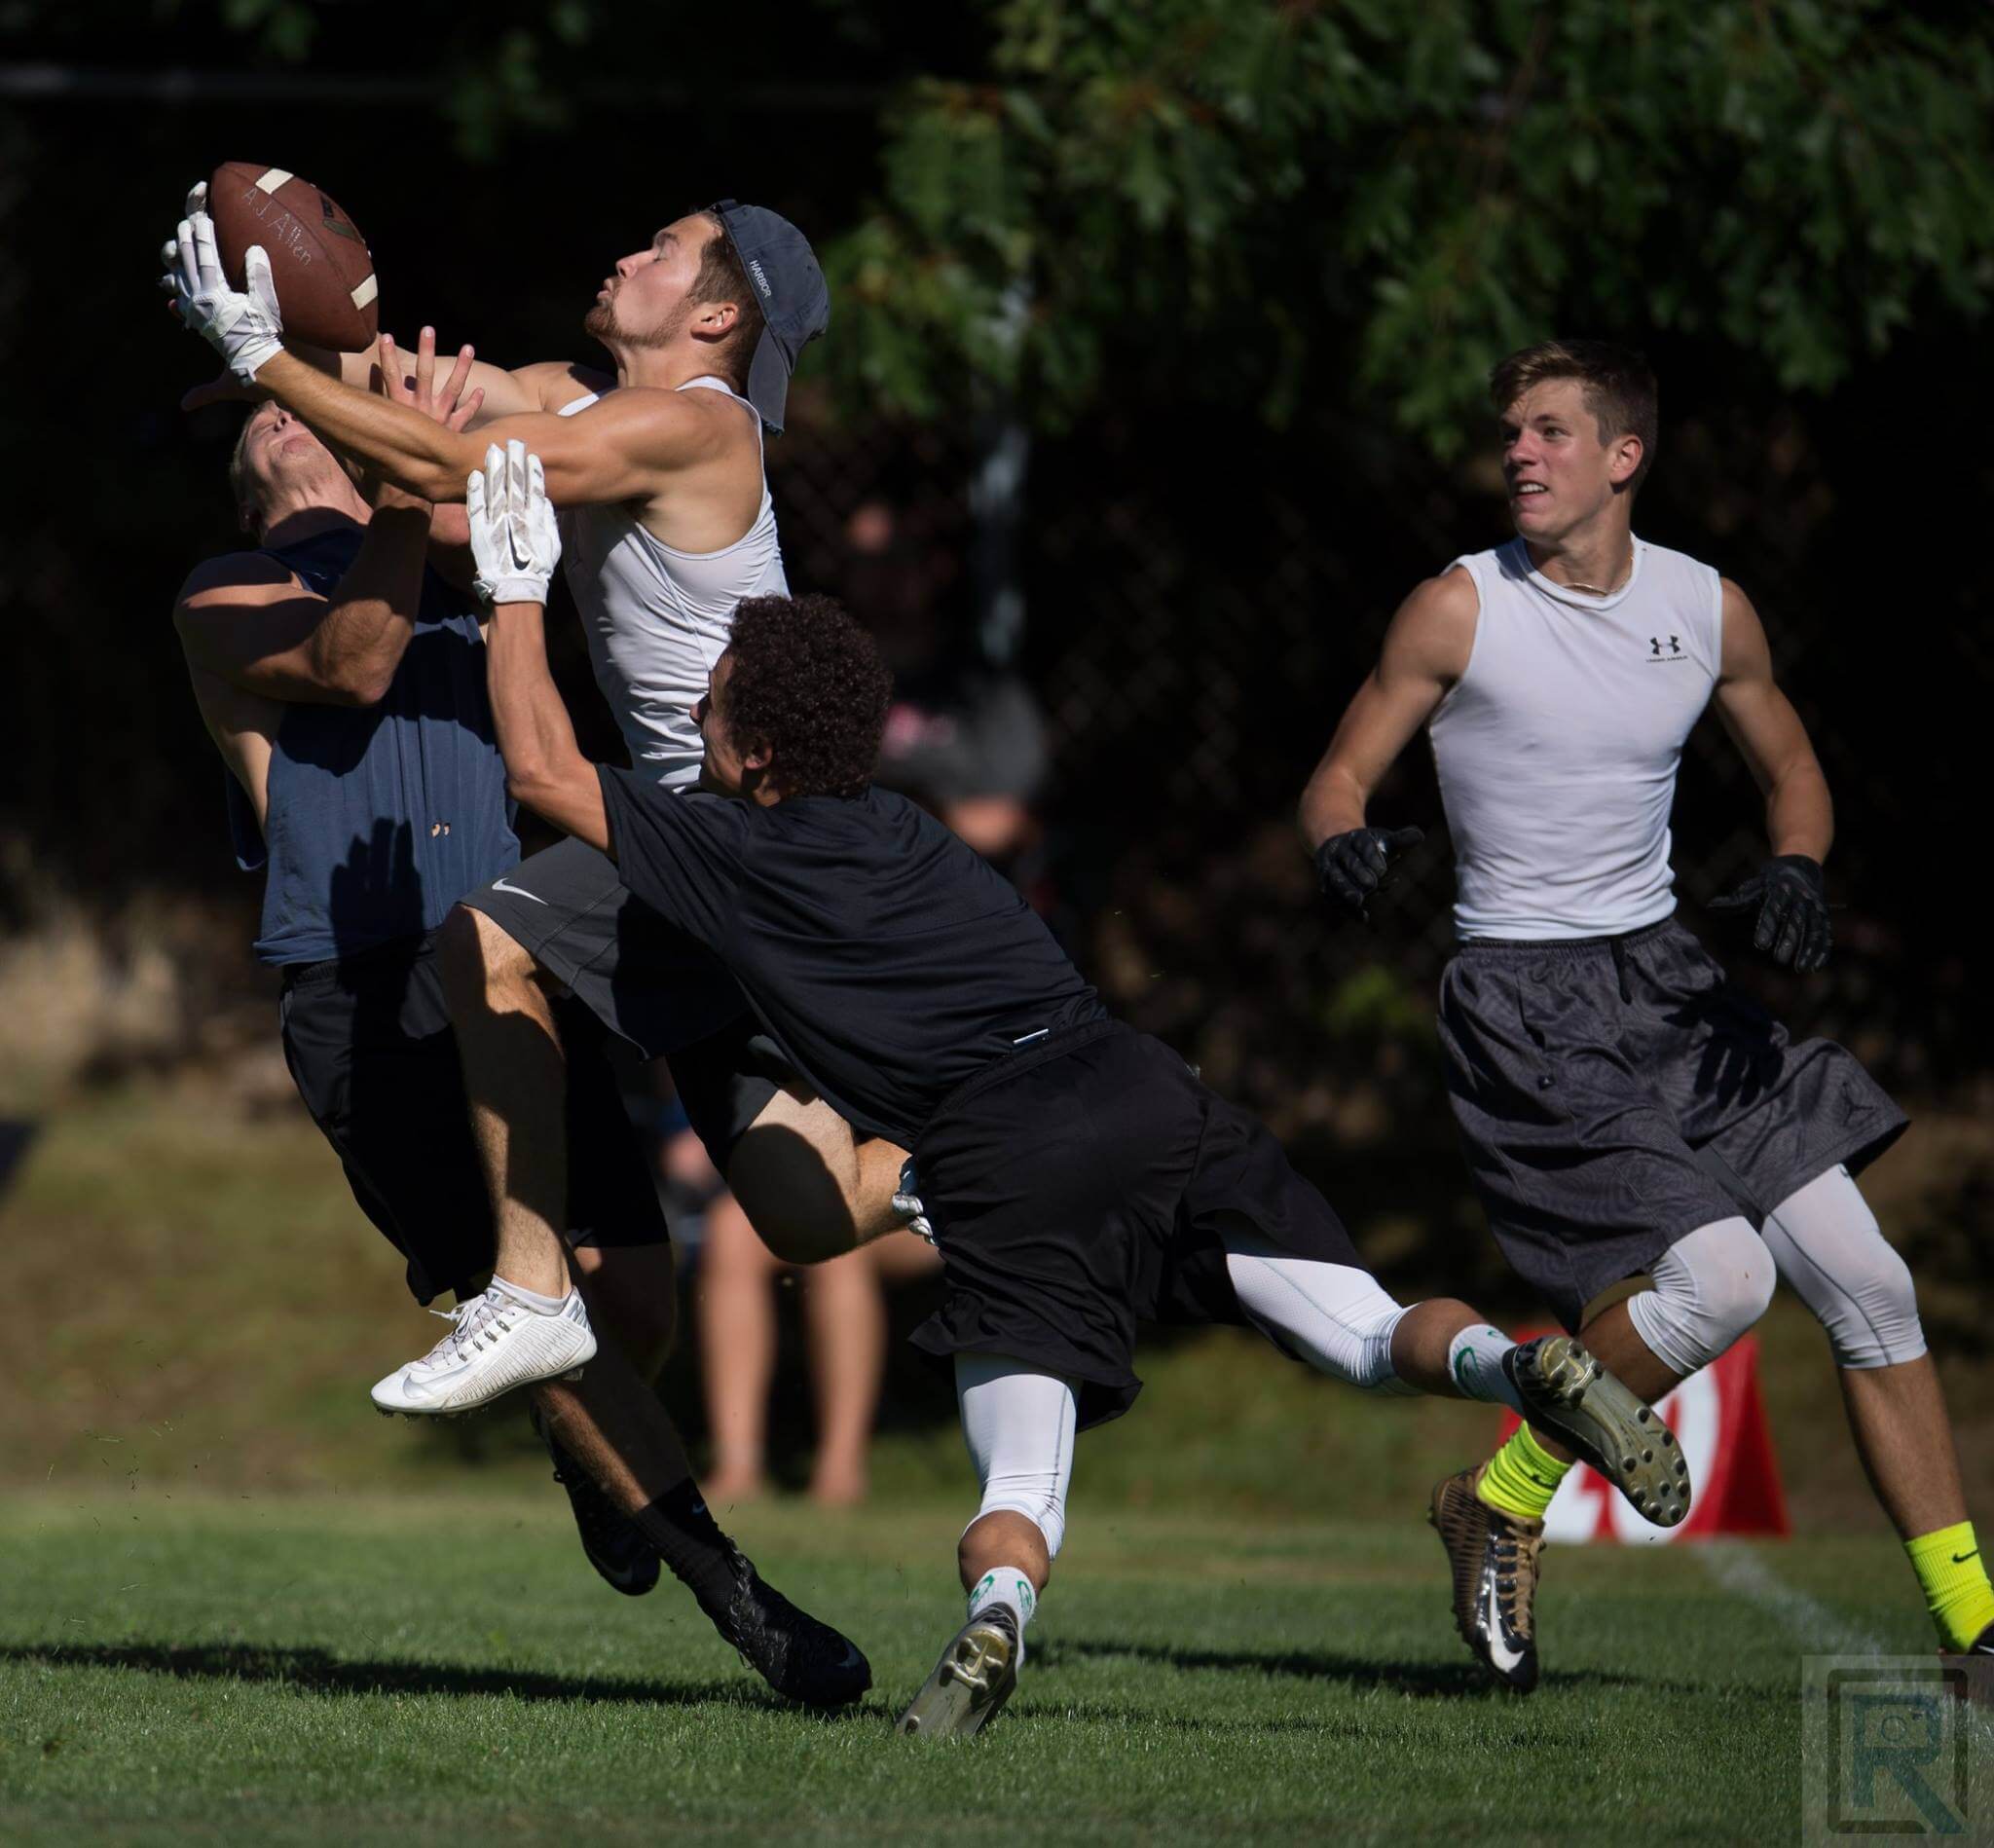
(496, 1343)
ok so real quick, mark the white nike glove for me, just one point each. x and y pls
(513, 536)
(244, 326)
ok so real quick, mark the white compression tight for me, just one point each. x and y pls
(1018, 1419)
(1335, 1316)
(1714, 1283)
(1711, 1285)
(1834, 1256)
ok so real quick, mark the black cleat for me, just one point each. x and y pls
(800, 1658)
(1494, 1558)
(1575, 1398)
(972, 1681)
(626, 1561)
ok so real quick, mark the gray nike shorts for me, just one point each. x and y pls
(670, 997)
(1616, 1093)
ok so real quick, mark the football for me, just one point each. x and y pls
(318, 260)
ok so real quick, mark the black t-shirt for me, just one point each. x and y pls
(888, 960)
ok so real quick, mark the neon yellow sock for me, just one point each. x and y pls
(1954, 1578)
(1522, 1477)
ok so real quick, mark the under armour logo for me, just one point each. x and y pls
(1654, 642)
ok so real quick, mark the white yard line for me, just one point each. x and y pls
(1744, 1573)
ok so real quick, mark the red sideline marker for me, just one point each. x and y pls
(1719, 1417)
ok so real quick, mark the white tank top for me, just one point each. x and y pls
(657, 619)
(1558, 747)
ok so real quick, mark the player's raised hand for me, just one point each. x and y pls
(1791, 897)
(243, 325)
(514, 539)
(169, 252)
(1357, 862)
(224, 387)
(453, 407)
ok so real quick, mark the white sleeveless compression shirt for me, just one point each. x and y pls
(657, 619)
(1558, 748)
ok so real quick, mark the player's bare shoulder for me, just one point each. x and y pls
(1746, 654)
(1433, 632)
(553, 385)
(670, 430)
(1732, 602)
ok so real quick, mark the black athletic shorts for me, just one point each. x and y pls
(1081, 1186)
(369, 1045)
(669, 996)
(1616, 1093)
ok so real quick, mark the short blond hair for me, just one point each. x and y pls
(1620, 390)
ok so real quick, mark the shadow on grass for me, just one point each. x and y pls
(1426, 1680)
(318, 1672)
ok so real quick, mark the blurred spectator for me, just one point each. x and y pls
(964, 738)
(844, 1318)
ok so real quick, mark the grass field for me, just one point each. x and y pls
(236, 1606)
(211, 1305)
(313, 1669)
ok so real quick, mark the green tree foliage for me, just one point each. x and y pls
(1279, 197)
(1275, 197)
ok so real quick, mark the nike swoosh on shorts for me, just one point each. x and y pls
(520, 891)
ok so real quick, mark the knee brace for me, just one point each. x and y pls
(1017, 1421)
(1335, 1318)
(1711, 1285)
(1835, 1257)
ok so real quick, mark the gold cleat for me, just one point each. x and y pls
(970, 1682)
(1494, 1558)
(1575, 1398)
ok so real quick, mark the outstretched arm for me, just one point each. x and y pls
(507, 391)
(545, 768)
(618, 450)
(1425, 651)
(1800, 813)
(621, 448)
(515, 541)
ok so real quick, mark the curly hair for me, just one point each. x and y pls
(807, 685)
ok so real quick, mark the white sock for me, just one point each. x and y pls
(1474, 1361)
(1008, 1586)
(528, 1299)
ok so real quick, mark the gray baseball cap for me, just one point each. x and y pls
(795, 306)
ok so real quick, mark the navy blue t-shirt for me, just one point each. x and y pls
(380, 818)
(888, 959)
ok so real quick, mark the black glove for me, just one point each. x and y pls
(1354, 864)
(1791, 897)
